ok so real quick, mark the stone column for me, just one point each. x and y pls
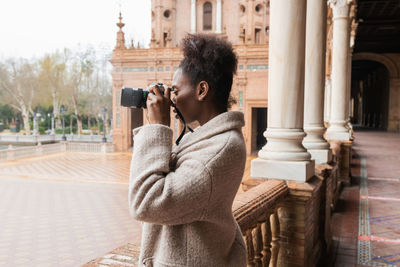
(340, 52)
(348, 87)
(315, 82)
(284, 157)
(328, 96)
(193, 16)
(219, 17)
(352, 35)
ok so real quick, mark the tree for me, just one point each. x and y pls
(53, 71)
(98, 93)
(19, 80)
(80, 79)
(80, 66)
(7, 114)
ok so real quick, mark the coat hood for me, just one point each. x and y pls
(224, 122)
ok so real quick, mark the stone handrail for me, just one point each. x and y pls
(89, 147)
(14, 153)
(256, 213)
(298, 237)
(52, 138)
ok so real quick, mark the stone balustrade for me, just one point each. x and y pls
(284, 223)
(34, 139)
(256, 212)
(14, 153)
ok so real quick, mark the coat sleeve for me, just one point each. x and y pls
(158, 195)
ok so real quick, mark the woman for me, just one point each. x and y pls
(184, 193)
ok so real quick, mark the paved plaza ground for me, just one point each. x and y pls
(366, 226)
(70, 208)
(64, 209)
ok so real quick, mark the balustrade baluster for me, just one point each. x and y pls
(266, 233)
(253, 210)
(250, 248)
(275, 239)
(258, 245)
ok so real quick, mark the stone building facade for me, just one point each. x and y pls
(244, 23)
(330, 66)
(361, 76)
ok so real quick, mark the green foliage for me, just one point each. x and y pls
(7, 114)
(42, 130)
(79, 79)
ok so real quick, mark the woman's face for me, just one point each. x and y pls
(184, 96)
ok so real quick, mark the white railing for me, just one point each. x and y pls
(52, 148)
(89, 147)
(83, 138)
(18, 138)
(52, 138)
(33, 151)
(3, 155)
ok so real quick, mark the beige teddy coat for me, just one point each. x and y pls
(184, 193)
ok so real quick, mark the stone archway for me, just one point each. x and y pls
(394, 85)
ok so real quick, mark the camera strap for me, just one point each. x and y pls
(183, 121)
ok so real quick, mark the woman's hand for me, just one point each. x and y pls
(158, 106)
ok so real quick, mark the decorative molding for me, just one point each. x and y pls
(353, 11)
(340, 8)
(137, 69)
(353, 32)
(120, 34)
(257, 67)
(388, 62)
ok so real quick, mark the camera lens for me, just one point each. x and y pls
(133, 97)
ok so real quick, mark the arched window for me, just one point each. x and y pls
(207, 16)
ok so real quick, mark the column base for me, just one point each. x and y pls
(342, 136)
(282, 170)
(321, 156)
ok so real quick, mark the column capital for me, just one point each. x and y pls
(353, 11)
(340, 8)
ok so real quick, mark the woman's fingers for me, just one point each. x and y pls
(158, 105)
(167, 92)
(156, 91)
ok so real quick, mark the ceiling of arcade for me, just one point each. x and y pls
(378, 26)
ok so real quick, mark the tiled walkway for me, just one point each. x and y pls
(67, 209)
(64, 209)
(367, 223)
(79, 167)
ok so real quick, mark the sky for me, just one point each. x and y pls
(32, 28)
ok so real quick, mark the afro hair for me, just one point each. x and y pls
(211, 59)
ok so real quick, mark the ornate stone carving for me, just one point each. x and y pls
(353, 11)
(242, 34)
(340, 8)
(120, 35)
(354, 26)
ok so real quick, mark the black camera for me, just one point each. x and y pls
(137, 97)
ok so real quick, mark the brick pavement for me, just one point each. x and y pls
(70, 208)
(64, 209)
(83, 167)
(366, 226)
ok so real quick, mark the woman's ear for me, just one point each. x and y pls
(202, 90)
